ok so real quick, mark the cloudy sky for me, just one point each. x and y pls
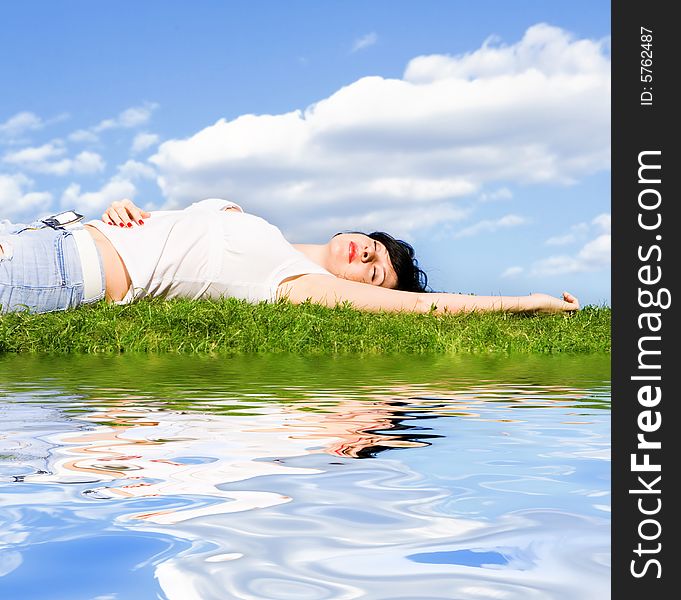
(479, 132)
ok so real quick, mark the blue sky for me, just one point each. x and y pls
(477, 131)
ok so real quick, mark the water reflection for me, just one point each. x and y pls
(206, 483)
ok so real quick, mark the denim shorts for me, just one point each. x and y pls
(40, 271)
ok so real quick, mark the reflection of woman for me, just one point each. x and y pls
(130, 451)
(213, 249)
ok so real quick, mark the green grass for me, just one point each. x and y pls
(233, 326)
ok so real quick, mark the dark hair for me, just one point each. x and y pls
(410, 277)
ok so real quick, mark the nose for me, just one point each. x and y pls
(367, 253)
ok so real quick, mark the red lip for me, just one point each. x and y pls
(352, 252)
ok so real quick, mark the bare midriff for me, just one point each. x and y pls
(116, 275)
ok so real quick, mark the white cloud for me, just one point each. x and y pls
(581, 231)
(49, 159)
(365, 41)
(577, 232)
(83, 136)
(133, 169)
(128, 119)
(86, 163)
(532, 112)
(561, 240)
(544, 49)
(14, 130)
(94, 203)
(401, 223)
(143, 141)
(603, 222)
(495, 195)
(18, 202)
(596, 253)
(19, 124)
(419, 189)
(491, 225)
(35, 154)
(593, 256)
(120, 186)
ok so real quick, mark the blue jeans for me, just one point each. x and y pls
(40, 270)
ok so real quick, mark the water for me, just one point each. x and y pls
(280, 477)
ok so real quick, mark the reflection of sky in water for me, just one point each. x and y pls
(465, 487)
(469, 558)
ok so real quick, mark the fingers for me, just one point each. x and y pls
(570, 301)
(124, 213)
(118, 215)
(545, 303)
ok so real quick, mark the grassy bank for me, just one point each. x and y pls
(233, 326)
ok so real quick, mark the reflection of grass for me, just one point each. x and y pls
(234, 326)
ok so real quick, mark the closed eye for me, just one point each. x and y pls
(385, 254)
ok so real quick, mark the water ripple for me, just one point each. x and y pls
(457, 486)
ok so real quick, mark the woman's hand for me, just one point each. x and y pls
(123, 213)
(544, 303)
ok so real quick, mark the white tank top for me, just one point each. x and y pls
(206, 252)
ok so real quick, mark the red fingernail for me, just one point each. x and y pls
(141, 222)
(110, 222)
(129, 224)
(121, 224)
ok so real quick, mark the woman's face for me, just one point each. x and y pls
(357, 257)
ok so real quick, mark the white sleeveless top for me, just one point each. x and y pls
(206, 252)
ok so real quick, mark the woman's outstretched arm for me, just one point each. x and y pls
(329, 291)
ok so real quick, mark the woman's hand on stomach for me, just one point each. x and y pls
(124, 213)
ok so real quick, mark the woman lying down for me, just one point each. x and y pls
(213, 249)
